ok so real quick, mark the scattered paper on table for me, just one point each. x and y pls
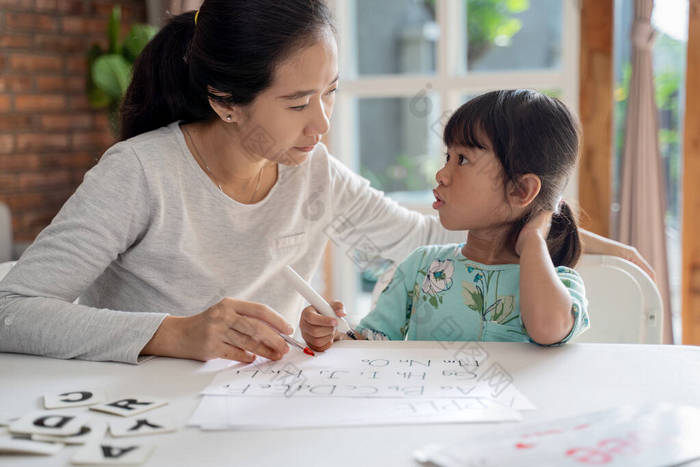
(655, 435)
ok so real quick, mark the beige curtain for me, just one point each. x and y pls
(643, 195)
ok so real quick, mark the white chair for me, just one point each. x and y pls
(624, 304)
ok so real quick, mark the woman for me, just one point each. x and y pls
(219, 182)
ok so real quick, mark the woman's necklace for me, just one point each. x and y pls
(211, 174)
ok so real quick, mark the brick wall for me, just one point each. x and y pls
(49, 135)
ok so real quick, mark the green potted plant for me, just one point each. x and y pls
(109, 71)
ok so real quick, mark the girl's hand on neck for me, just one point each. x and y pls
(537, 227)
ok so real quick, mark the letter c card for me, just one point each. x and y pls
(74, 398)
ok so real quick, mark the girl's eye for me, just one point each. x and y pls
(461, 159)
(332, 91)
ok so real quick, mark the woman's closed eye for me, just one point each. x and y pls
(303, 106)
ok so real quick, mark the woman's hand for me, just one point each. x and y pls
(538, 225)
(231, 329)
(598, 245)
(630, 253)
(319, 331)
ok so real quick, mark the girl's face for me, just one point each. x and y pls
(470, 192)
(286, 120)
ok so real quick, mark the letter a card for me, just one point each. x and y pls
(108, 452)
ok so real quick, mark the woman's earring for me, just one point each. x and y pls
(228, 117)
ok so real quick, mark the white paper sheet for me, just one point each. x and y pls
(223, 413)
(347, 372)
(640, 436)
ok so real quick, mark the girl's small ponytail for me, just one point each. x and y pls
(563, 241)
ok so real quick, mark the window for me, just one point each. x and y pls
(405, 65)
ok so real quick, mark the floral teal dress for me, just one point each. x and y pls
(438, 294)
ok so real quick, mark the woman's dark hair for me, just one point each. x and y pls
(229, 56)
(530, 133)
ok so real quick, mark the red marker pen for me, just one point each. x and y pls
(294, 342)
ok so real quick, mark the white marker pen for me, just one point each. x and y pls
(311, 296)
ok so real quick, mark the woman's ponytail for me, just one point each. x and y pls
(563, 241)
(160, 90)
(229, 55)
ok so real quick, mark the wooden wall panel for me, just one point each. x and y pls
(691, 193)
(596, 113)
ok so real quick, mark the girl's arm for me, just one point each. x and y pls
(545, 303)
(387, 321)
(384, 322)
(389, 318)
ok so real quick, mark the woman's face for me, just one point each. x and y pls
(286, 120)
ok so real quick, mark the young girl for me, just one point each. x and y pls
(509, 156)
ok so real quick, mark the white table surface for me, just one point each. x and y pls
(561, 381)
